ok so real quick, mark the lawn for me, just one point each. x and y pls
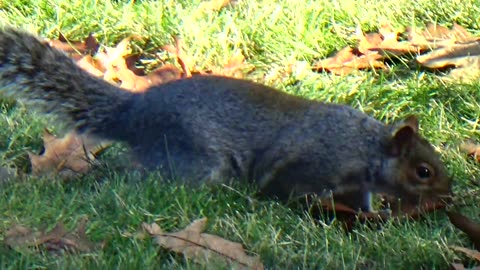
(271, 34)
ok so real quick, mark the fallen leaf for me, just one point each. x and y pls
(113, 57)
(454, 55)
(386, 43)
(472, 149)
(88, 64)
(436, 36)
(368, 41)
(435, 32)
(234, 67)
(414, 207)
(201, 247)
(347, 60)
(127, 79)
(299, 69)
(20, 236)
(183, 59)
(389, 208)
(76, 241)
(465, 57)
(470, 228)
(164, 74)
(67, 156)
(55, 240)
(89, 46)
(454, 47)
(461, 34)
(469, 252)
(130, 62)
(370, 53)
(118, 66)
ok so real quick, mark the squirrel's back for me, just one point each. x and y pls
(217, 128)
(248, 124)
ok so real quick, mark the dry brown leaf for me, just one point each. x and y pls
(236, 62)
(299, 69)
(203, 248)
(183, 58)
(385, 43)
(117, 64)
(67, 156)
(347, 216)
(135, 83)
(89, 46)
(455, 55)
(413, 208)
(472, 229)
(131, 60)
(461, 34)
(472, 149)
(436, 36)
(55, 240)
(390, 209)
(21, 236)
(112, 64)
(369, 41)
(435, 32)
(119, 68)
(417, 39)
(469, 252)
(425, 41)
(234, 67)
(127, 79)
(164, 74)
(347, 60)
(455, 47)
(113, 58)
(88, 64)
(335, 64)
(465, 57)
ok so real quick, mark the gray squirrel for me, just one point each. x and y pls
(213, 128)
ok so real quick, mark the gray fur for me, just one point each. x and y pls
(210, 128)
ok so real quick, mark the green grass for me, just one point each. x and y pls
(270, 34)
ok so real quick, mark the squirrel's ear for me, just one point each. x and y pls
(403, 133)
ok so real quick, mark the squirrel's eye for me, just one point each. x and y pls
(424, 171)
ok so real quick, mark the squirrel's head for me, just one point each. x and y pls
(414, 168)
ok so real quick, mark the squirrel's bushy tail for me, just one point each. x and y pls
(33, 71)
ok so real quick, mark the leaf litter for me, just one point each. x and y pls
(435, 48)
(203, 248)
(68, 156)
(53, 241)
